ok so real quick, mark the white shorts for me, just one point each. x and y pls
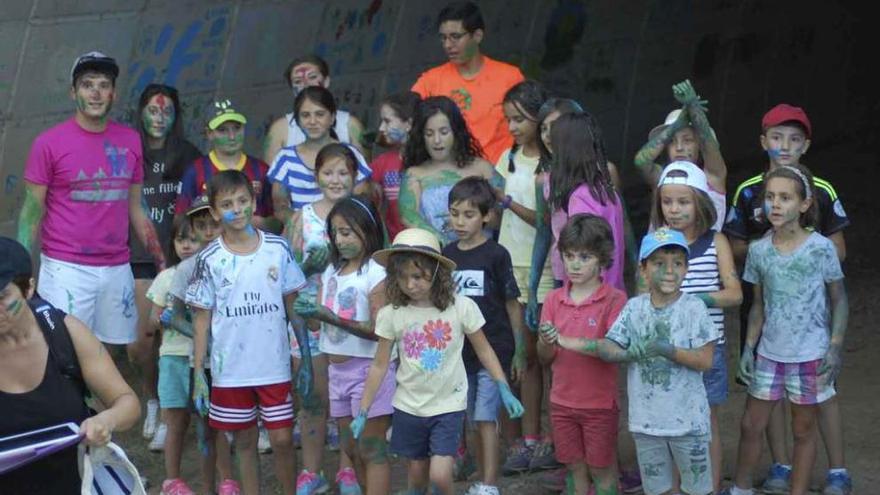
(102, 297)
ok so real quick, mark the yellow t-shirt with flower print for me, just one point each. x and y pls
(431, 378)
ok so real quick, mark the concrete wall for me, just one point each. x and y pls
(619, 57)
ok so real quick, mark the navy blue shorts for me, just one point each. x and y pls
(416, 437)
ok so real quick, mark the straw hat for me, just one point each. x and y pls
(414, 241)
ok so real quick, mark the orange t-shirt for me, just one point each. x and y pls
(479, 99)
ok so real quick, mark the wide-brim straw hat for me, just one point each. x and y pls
(414, 241)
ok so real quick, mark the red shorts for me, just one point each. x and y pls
(235, 408)
(585, 435)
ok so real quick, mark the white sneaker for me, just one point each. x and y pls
(157, 444)
(263, 444)
(482, 489)
(151, 419)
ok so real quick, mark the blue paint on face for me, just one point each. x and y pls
(228, 217)
(773, 154)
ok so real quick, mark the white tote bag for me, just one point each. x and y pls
(107, 471)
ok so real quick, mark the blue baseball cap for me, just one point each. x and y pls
(14, 261)
(660, 238)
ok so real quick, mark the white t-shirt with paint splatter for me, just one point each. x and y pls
(666, 398)
(246, 296)
(348, 297)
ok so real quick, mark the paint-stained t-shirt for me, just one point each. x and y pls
(796, 312)
(665, 398)
(87, 177)
(245, 294)
(479, 99)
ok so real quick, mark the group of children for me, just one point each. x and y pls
(387, 323)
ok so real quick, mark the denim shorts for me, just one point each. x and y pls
(483, 397)
(416, 437)
(174, 382)
(715, 379)
(659, 456)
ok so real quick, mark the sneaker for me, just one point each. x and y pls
(264, 446)
(347, 482)
(554, 480)
(297, 434)
(308, 483)
(332, 440)
(176, 487)
(838, 484)
(518, 458)
(157, 444)
(482, 489)
(151, 418)
(228, 487)
(464, 466)
(630, 481)
(778, 480)
(544, 457)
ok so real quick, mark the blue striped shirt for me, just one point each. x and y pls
(289, 170)
(702, 275)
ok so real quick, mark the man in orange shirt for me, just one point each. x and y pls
(474, 81)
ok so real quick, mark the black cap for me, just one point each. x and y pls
(94, 61)
(14, 261)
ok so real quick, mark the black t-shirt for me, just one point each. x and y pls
(485, 274)
(746, 221)
(160, 194)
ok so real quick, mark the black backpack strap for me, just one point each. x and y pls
(51, 321)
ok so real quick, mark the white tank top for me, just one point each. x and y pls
(296, 136)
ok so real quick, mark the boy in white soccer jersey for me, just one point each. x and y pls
(243, 291)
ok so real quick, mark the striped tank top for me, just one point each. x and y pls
(702, 275)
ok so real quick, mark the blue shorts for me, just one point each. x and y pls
(174, 382)
(483, 397)
(416, 437)
(715, 379)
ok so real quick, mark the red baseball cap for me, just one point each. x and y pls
(786, 113)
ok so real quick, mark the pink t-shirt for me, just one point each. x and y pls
(579, 381)
(582, 201)
(87, 177)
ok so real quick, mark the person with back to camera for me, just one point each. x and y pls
(166, 155)
(474, 81)
(48, 363)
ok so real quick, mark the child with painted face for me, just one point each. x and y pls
(786, 134)
(484, 273)
(668, 337)
(396, 117)
(686, 135)
(799, 298)
(440, 153)
(243, 292)
(335, 170)
(427, 322)
(351, 292)
(225, 130)
(177, 317)
(293, 175)
(584, 419)
(682, 202)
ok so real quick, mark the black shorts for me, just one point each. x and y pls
(143, 271)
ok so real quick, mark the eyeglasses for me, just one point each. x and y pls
(454, 37)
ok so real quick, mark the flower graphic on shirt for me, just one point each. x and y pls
(438, 333)
(413, 344)
(462, 97)
(431, 359)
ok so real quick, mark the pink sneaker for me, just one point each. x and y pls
(228, 487)
(176, 487)
(347, 482)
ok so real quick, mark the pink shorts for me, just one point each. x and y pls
(800, 382)
(235, 408)
(585, 435)
(347, 381)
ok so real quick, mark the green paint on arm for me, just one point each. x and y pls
(408, 205)
(29, 219)
(701, 125)
(649, 153)
(543, 240)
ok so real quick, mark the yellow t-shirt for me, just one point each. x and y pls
(516, 234)
(174, 343)
(431, 378)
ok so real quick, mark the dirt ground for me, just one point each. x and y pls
(852, 172)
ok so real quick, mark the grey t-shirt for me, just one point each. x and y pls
(666, 398)
(796, 312)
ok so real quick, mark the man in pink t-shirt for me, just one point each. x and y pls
(82, 188)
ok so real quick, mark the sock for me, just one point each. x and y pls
(734, 490)
(786, 466)
(838, 471)
(531, 440)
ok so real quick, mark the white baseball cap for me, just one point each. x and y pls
(687, 174)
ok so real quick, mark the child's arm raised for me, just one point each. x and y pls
(713, 162)
(831, 363)
(489, 361)
(646, 157)
(378, 368)
(309, 306)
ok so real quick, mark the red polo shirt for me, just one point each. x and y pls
(580, 381)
